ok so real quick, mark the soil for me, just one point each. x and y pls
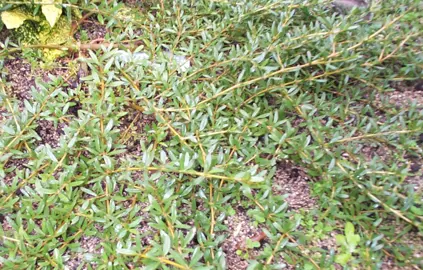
(50, 133)
(11, 166)
(21, 77)
(89, 245)
(373, 151)
(401, 96)
(415, 170)
(289, 180)
(241, 228)
(292, 180)
(92, 30)
(132, 127)
(405, 93)
(133, 3)
(146, 231)
(410, 239)
(4, 34)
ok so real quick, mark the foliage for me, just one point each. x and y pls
(268, 81)
(348, 243)
(14, 18)
(39, 24)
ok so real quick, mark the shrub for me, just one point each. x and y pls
(268, 80)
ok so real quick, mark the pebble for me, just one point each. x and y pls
(182, 63)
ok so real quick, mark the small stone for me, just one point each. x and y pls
(349, 4)
(415, 167)
(419, 86)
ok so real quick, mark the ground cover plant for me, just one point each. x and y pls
(253, 134)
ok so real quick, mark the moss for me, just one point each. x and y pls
(58, 35)
(28, 33)
(33, 33)
(37, 31)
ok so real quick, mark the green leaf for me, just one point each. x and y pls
(8, 130)
(63, 197)
(43, 191)
(342, 259)
(196, 256)
(252, 244)
(340, 239)
(417, 211)
(190, 235)
(166, 242)
(253, 265)
(126, 251)
(349, 229)
(308, 266)
(353, 241)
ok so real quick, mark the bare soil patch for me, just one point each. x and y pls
(132, 127)
(88, 245)
(92, 29)
(240, 228)
(21, 78)
(403, 94)
(289, 180)
(294, 182)
(50, 133)
(406, 93)
(11, 166)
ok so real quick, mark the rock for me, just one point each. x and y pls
(419, 86)
(182, 63)
(415, 167)
(349, 4)
(343, 6)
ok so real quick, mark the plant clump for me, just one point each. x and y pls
(250, 134)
